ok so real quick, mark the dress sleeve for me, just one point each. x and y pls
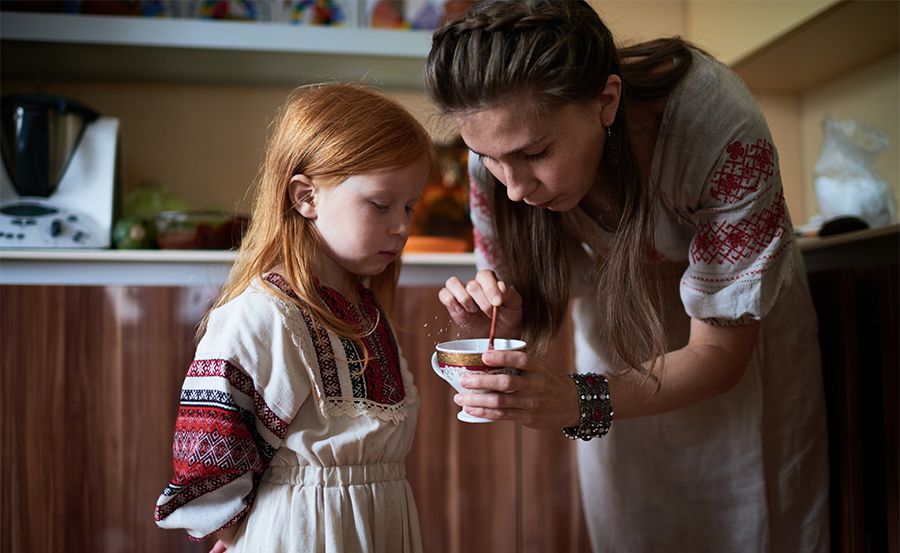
(741, 253)
(237, 401)
(481, 211)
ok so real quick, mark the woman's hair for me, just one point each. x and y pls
(557, 53)
(327, 132)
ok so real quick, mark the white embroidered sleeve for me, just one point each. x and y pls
(741, 253)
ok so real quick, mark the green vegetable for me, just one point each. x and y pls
(134, 233)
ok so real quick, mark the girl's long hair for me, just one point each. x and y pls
(327, 132)
(560, 52)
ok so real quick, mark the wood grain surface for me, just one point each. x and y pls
(89, 393)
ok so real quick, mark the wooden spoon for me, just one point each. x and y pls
(493, 328)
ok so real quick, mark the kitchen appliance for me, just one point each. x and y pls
(58, 180)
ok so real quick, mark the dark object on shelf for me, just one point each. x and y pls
(199, 230)
(840, 225)
(443, 209)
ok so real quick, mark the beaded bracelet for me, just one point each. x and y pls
(595, 405)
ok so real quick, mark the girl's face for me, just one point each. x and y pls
(549, 161)
(365, 221)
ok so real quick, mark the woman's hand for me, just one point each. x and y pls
(219, 547)
(471, 305)
(538, 397)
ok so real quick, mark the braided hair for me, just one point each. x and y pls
(555, 50)
(554, 53)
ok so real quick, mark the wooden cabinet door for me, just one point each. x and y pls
(89, 394)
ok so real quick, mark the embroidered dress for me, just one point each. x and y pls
(282, 431)
(745, 471)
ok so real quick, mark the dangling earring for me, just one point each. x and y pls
(613, 147)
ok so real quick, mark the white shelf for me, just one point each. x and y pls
(843, 37)
(61, 46)
(181, 267)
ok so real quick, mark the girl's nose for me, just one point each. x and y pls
(402, 224)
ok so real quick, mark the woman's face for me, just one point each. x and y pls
(548, 160)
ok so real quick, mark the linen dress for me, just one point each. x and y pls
(282, 432)
(745, 471)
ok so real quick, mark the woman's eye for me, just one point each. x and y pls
(538, 155)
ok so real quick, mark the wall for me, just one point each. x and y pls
(632, 22)
(729, 30)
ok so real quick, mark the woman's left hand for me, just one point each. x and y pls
(538, 397)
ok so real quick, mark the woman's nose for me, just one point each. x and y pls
(517, 185)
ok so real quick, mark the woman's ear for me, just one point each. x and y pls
(302, 194)
(609, 100)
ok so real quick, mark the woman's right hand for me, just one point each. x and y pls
(471, 305)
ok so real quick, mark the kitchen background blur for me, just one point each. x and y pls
(95, 342)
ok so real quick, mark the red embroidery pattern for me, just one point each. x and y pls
(651, 254)
(382, 381)
(479, 200)
(487, 247)
(746, 167)
(719, 242)
(216, 440)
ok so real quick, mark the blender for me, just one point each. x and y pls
(59, 173)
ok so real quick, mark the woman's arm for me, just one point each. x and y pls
(710, 364)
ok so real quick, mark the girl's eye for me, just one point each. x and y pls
(410, 209)
(380, 207)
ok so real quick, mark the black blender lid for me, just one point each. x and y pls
(60, 103)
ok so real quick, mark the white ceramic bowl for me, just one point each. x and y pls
(453, 359)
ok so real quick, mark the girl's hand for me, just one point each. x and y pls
(471, 305)
(226, 539)
(538, 397)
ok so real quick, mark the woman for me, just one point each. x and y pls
(643, 184)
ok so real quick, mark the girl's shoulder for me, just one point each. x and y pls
(253, 312)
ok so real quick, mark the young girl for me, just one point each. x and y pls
(298, 409)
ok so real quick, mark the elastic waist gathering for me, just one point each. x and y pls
(340, 475)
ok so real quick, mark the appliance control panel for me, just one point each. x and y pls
(37, 223)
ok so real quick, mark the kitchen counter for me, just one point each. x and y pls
(860, 249)
(210, 268)
(181, 267)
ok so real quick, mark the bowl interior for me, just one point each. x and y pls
(479, 345)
